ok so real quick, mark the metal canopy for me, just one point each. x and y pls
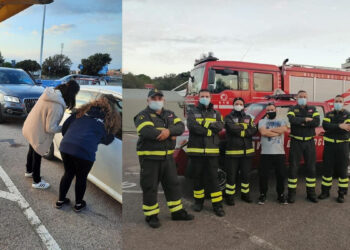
(10, 8)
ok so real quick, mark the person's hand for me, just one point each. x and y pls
(164, 134)
(308, 119)
(344, 126)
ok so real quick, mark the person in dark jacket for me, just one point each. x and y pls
(239, 152)
(204, 124)
(336, 149)
(303, 120)
(93, 123)
(157, 129)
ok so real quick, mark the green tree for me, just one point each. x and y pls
(171, 81)
(2, 59)
(57, 65)
(93, 64)
(7, 65)
(28, 65)
(135, 81)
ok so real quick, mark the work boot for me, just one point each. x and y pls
(311, 194)
(324, 193)
(181, 215)
(153, 221)
(281, 198)
(230, 200)
(198, 205)
(218, 209)
(340, 198)
(291, 195)
(246, 198)
(262, 199)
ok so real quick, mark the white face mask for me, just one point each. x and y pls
(238, 107)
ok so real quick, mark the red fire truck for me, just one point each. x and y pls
(257, 84)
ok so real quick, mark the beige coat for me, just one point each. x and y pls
(43, 120)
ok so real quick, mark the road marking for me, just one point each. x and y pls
(15, 195)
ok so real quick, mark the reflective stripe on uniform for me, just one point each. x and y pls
(242, 133)
(292, 183)
(327, 119)
(301, 138)
(199, 120)
(347, 120)
(160, 128)
(203, 150)
(150, 210)
(175, 209)
(327, 181)
(199, 194)
(176, 120)
(174, 203)
(230, 186)
(310, 182)
(216, 197)
(334, 140)
(209, 132)
(315, 114)
(239, 152)
(230, 189)
(231, 192)
(139, 127)
(343, 182)
(157, 153)
(291, 113)
(245, 187)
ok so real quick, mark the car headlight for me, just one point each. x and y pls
(11, 99)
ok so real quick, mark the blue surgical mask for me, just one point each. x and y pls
(204, 101)
(156, 105)
(302, 101)
(338, 106)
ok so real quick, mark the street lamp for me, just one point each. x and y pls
(42, 41)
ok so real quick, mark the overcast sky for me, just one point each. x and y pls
(84, 26)
(162, 37)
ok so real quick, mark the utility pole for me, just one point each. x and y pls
(42, 41)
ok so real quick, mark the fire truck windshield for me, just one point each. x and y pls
(196, 80)
(254, 109)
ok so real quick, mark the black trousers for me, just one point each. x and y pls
(153, 172)
(33, 164)
(277, 163)
(299, 149)
(79, 168)
(335, 159)
(232, 166)
(206, 177)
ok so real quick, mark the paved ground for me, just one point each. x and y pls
(302, 225)
(33, 222)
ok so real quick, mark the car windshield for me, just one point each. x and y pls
(196, 80)
(254, 109)
(15, 77)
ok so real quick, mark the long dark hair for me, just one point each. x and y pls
(69, 90)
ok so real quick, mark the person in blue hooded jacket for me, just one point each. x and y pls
(96, 122)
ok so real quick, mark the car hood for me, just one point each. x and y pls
(21, 90)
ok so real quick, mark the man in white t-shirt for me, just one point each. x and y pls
(272, 132)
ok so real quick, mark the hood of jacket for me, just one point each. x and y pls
(52, 95)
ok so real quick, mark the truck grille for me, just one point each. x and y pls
(29, 103)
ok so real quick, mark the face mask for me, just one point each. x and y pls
(271, 115)
(338, 106)
(238, 107)
(302, 101)
(204, 101)
(156, 105)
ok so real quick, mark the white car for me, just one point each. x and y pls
(106, 172)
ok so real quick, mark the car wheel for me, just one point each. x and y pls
(50, 155)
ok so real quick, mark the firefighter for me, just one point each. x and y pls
(204, 124)
(303, 120)
(336, 149)
(240, 129)
(157, 129)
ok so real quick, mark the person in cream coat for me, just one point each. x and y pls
(42, 123)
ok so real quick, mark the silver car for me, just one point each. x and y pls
(106, 172)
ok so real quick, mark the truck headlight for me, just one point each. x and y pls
(11, 99)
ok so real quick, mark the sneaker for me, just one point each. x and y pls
(153, 221)
(181, 215)
(80, 206)
(29, 175)
(219, 211)
(41, 185)
(262, 199)
(282, 199)
(59, 204)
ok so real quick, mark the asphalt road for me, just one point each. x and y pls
(33, 222)
(302, 225)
